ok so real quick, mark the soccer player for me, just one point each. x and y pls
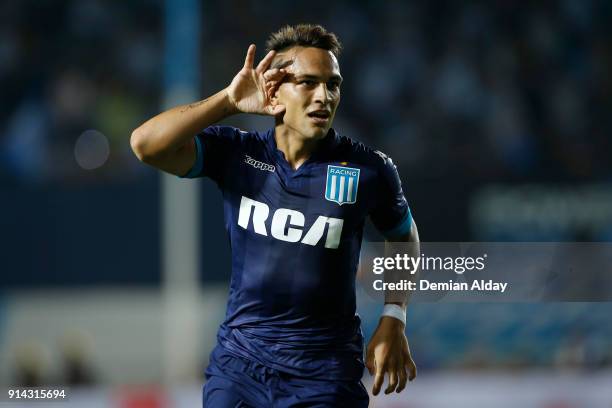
(295, 198)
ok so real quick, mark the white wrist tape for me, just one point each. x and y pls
(396, 311)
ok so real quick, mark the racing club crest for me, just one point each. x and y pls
(342, 184)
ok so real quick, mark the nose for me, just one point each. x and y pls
(321, 94)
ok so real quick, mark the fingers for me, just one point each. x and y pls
(273, 79)
(398, 374)
(412, 370)
(265, 63)
(274, 74)
(272, 84)
(403, 379)
(378, 379)
(393, 379)
(271, 89)
(404, 376)
(250, 57)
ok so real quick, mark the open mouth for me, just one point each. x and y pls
(320, 116)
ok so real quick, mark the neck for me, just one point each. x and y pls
(296, 148)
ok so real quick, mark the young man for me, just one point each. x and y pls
(296, 198)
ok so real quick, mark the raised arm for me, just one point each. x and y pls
(166, 141)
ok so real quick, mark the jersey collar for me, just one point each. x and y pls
(329, 142)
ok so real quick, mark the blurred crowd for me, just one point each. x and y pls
(69, 364)
(67, 67)
(480, 90)
(476, 336)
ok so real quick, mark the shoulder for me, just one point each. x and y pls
(233, 136)
(233, 133)
(359, 153)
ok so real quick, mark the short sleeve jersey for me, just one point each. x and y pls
(295, 239)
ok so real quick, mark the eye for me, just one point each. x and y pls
(333, 86)
(307, 82)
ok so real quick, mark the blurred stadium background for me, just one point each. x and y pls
(498, 115)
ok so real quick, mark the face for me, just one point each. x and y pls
(310, 91)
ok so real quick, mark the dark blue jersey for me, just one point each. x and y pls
(295, 239)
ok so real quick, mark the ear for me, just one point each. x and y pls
(275, 103)
(274, 97)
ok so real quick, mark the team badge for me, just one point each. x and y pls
(342, 184)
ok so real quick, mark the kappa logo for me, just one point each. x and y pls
(258, 165)
(342, 184)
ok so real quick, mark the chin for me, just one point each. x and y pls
(318, 133)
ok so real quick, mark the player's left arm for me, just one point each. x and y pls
(388, 351)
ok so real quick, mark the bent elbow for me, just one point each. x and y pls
(138, 145)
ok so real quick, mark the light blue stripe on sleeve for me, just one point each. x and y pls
(199, 161)
(402, 228)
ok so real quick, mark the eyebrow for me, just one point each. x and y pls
(282, 64)
(337, 78)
